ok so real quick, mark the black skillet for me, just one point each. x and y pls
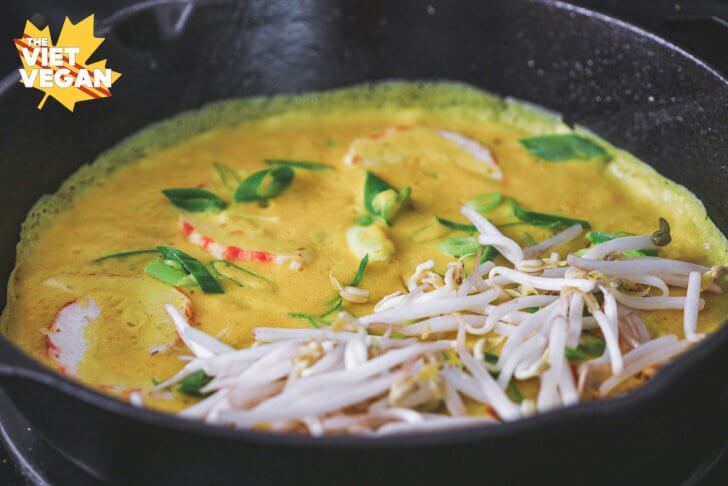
(634, 89)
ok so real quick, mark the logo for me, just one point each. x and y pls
(62, 70)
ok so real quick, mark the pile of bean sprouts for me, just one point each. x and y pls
(386, 373)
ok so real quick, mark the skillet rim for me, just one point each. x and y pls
(603, 409)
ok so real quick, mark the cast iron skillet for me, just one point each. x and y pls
(636, 90)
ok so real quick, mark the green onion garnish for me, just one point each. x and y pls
(259, 281)
(556, 148)
(336, 303)
(489, 253)
(170, 275)
(490, 357)
(194, 199)
(545, 219)
(381, 199)
(227, 175)
(193, 383)
(314, 321)
(264, 184)
(458, 246)
(597, 237)
(514, 393)
(299, 164)
(468, 228)
(358, 276)
(178, 260)
(593, 347)
(123, 254)
(364, 220)
(361, 269)
(573, 354)
(373, 185)
(485, 202)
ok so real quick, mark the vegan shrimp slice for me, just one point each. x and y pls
(397, 143)
(65, 342)
(138, 301)
(234, 253)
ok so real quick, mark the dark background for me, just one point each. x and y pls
(699, 26)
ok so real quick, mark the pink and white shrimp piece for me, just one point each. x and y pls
(477, 150)
(353, 158)
(65, 341)
(482, 159)
(236, 253)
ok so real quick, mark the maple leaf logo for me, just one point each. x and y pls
(61, 70)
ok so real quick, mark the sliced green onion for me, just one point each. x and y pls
(336, 303)
(299, 164)
(365, 220)
(489, 253)
(511, 224)
(168, 274)
(458, 246)
(193, 383)
(381, 199)
(194, 267)
(123, 254)
(573, 354)
(194, 199)
(514, 393)
(545, 219)
(468, 228)
(314, 321)
(259, 281)
(593, 346)
(173, 264)
(361, 269)
(597, 237)
(556, 148)
(388, 203)
(490, 357)
(373, 185)
(227, 175)
(485, 202)
(264, 184)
